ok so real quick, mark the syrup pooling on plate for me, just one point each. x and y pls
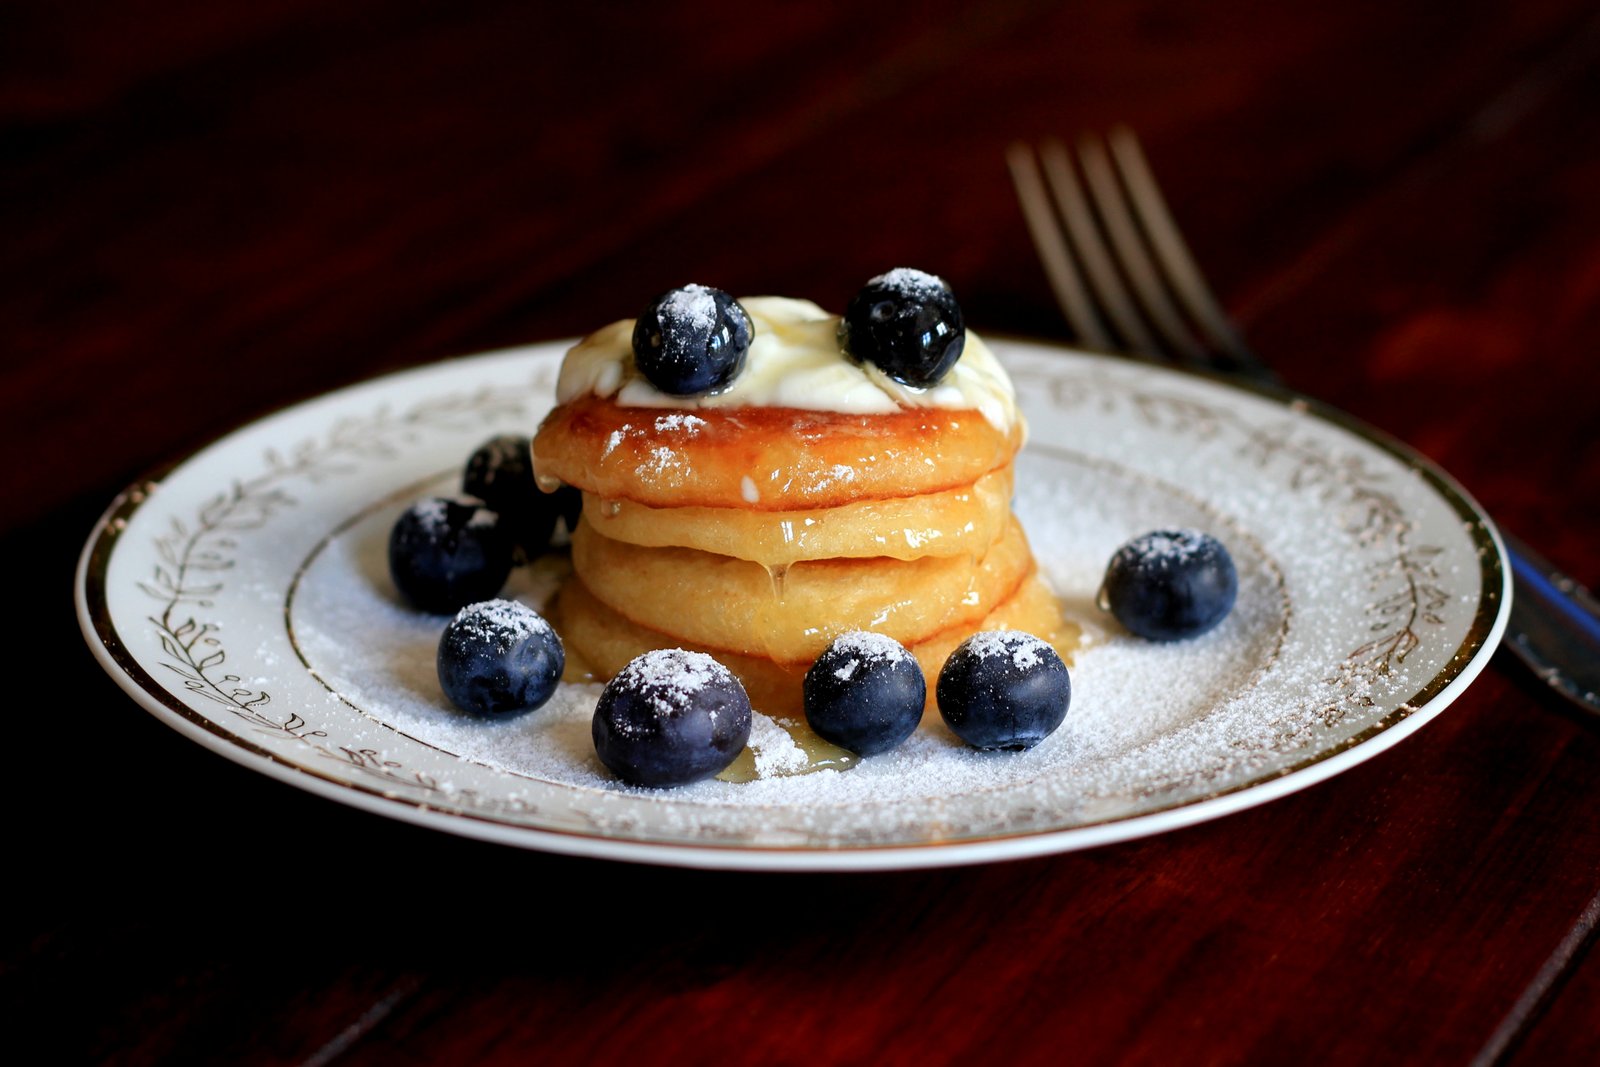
(801, 751)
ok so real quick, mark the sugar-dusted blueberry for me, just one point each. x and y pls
(446, 554)
(908, 324)
(865, 693)
(1170, 584)
(671, 717)
(499, 658)
(567, 501)
(691, 340)
(500, 473)
(1003, 689)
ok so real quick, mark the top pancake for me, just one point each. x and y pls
(765, 458)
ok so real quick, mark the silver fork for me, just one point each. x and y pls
(1127, 282)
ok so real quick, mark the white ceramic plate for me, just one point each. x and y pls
(242, 599)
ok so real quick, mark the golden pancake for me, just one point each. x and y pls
(964, 521)
(764, 458)
(734, 605)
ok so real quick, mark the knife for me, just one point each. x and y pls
(1554, 626)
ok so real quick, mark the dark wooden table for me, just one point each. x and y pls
(210, 210)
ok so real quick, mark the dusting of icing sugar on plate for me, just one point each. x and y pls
(242, 599)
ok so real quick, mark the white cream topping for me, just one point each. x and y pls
(794, 362)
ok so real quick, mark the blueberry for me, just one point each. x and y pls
(865, 693)
(500, 473)
(568, 504)
(671, 717)
(446, 554)
(691, 340)
(908, 324)
(1003, 689)
(499, 658)
(1170, 584)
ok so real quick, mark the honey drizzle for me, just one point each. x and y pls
(820, 756)
(776, 573)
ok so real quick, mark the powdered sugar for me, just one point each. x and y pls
(1141, 712)
(502, 457)
(1166, 546)
(500, 622)
(908, 281)
(776, 752)
(432, 513)
(1024, 650)
(679, 422)
(614, 439)
(660, 461)
(671, 678)
(866, 647)
(825, 477)
(692, 306)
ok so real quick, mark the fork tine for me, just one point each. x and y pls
(1117, 216)
(1068, 284)
(1176, 261)
(1085, 239)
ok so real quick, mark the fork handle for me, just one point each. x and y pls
(1554, 626)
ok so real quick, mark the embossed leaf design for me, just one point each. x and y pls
(194, 651)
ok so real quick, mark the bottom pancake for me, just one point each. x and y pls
(600, 643)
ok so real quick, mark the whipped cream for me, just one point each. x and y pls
(794, 362)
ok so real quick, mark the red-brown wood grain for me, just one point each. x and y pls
(1565, 1032)
(213, 210)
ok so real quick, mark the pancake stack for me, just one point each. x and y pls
(759, 532)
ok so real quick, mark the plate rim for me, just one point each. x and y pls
(1482, 637)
